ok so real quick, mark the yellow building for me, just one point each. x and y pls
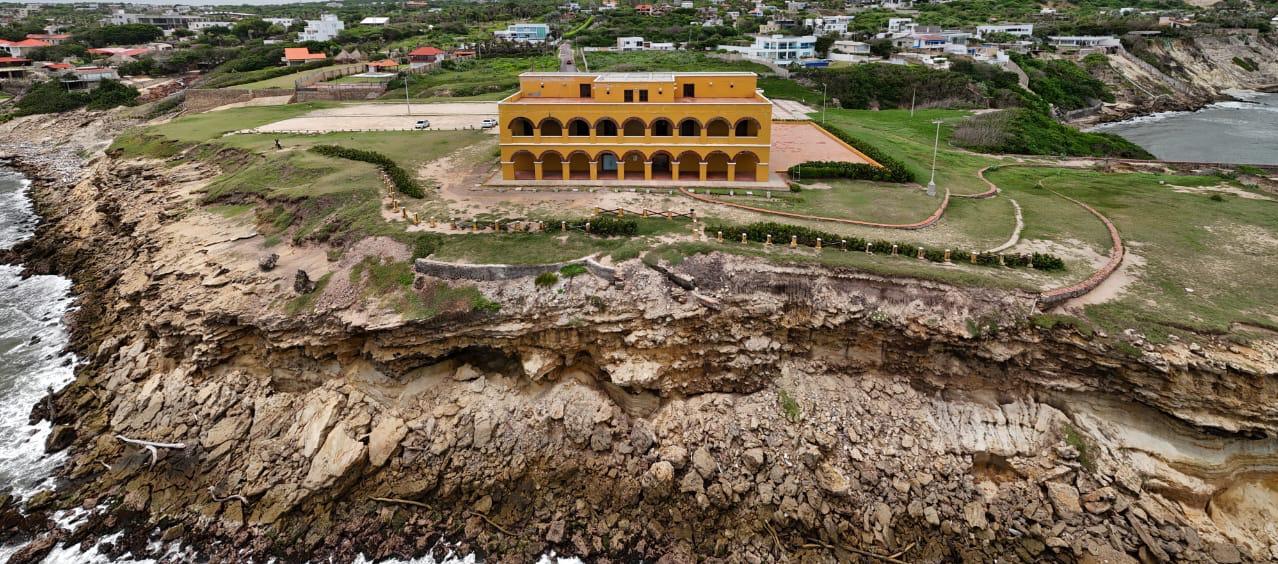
(631, 126)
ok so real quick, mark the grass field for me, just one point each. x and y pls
(495, 77)
(1207, 263)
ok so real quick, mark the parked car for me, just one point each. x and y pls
(421, 124)
(487, 123)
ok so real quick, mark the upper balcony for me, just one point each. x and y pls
(563, 88)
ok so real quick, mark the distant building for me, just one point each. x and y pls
(294, 56)
(1019, 30)
(282, 22)
(424, 56)
(645, 9)
(849, 47)
(14, 67)
(899, 25)
(84, 78)
(933, 38)
(638, 44)
(23, 48)
(384, 65)
(1071, 42)
(524, 33)
(166, 20)
(324, 29)
(826, 25)
(201, 26)
(783, 49)
(374, 20)
(50, 38)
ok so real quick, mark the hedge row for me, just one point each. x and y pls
(892, 171)
(402, 180)
(602, 225)
(781, 234)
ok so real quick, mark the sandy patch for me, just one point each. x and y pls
(387, 117)
(1113, 287)
(1220, 189)
(264, 101)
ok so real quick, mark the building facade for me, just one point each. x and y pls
(524, 33)
(323, 29)
(694, 126)
(781, 49)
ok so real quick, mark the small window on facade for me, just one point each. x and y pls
(629, 96)
(689, 90)
(643, 95)
(585, 91)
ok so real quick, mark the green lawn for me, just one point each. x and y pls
(1207, 263)
(852, 199)
(411, 149)
(910, 139)
(209, 125)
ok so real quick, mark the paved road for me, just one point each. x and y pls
(450, 115)
(566, 60)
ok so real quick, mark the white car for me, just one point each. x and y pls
(487, 123)
(421, 124)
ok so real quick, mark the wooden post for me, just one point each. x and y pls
(921, 253)
(794, 241)
(719, 236)
(867, 248)
(947, 256)
(743, 238)
(563, 227)
(587, 227)
(894, 253)
(973, 255)
(768, 241)
(818, 244)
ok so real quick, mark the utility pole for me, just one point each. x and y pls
(912, 97)
(936, 143)
(824, 88)
(407, 106)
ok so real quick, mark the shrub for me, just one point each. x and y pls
(425, 245)
(892, 170)
(781, 234)
(403, 181)
(546, 279)
(572, 270)
(603, 226)
(50, 97)
(1217, 198)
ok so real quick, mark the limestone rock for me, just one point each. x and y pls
(658, 479)
(339, 455)
(676, 455)
(537, 363)
(302, 283)
(1064, 498)
(385, 438)
(703, 462)
(753, 459)
(832, 480)
(974, 513)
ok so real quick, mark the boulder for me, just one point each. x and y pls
(302, 283)
(703, 462)
(753, 459)
(832, 480)
(659, 478)
(385, 438)
(676, 455)
(1064, 498)
(339, 455)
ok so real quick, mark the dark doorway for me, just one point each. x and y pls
(585, 90)
(630, 96)
(689, 91)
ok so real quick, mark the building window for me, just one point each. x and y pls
(585, 90)
(629, 96)
(689, 91)
(643, 95)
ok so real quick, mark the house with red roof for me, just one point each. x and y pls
(23, 48)
(50, 38)
(14, 67)
(425, 55)
(645, 9)
(384, 65)
(294, 56)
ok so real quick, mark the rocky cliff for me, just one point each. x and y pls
(772, 412)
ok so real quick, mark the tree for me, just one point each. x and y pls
(824, 43)
(127, 34)
(251, 28)
(882, 48)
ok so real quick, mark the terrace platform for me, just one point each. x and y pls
(775, 181)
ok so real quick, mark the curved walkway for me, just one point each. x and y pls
(1116, 252)
(1016, 232)
(936, 215)
(990, 193)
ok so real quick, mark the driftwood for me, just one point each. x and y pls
(398, 500)
(213, 494)
(152, 447)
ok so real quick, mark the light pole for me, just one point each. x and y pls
(407, 106)
(936, 143)
(824, 88)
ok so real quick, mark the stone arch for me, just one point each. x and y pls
(578, 127)
(551, 127)
(606, 127)
(608, 163)
(552, 165)
(579, 165)
(689, 164)
(662, 127)
(662, 165)
(689, 127)
(717, 127)
(747, 166)
(717, 165)
(633, 127)
(633, 163)
(747, 127)
(521, 127)
(525, 169)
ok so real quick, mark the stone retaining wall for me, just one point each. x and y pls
(490, 272)
(201, 99)
(1058, 295)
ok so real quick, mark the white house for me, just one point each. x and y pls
(849, 47)
(201, 26)
(282, 22)
(524, 33)
(783, 49)
(324, 29)
(375, 20)
(1019, 30)
(825, 25)
(1083, 41)
(898, 25)
(638, 44)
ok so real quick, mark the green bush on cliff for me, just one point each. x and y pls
(51, 97)
(1027, 132)
(892, 170)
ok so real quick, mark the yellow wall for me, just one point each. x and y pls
(715, 156)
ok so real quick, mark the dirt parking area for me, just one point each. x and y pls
(387, 117)
(794, 143)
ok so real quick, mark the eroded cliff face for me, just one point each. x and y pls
(774, 412)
